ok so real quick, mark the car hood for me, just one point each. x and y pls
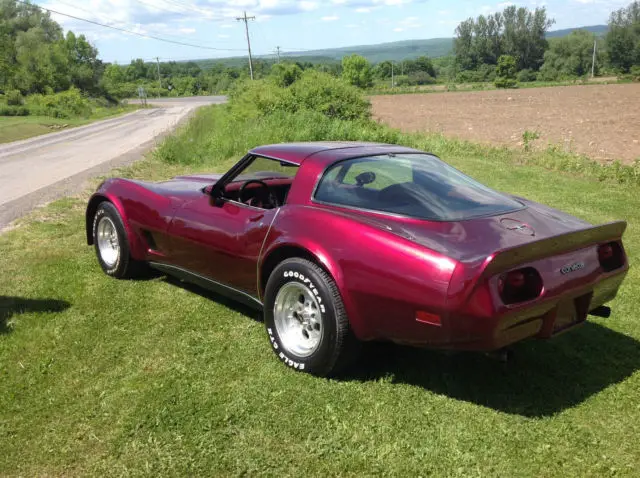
(181, 188)
(186, 188)
(477, 238)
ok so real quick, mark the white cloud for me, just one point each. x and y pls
(330, 18)
(409, 23)
(187, 31)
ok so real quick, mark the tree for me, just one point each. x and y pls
(113, 76)
(84, 67)
(463, 45)
(383, 70)
(421, 64)
(506, 72)
(623, 38)
(570, 56)
(30, 55)
(357, 71)
(517, 32)
(40, 65)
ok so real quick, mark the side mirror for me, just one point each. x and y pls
(216, 195)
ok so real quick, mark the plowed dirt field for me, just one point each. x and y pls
(600, 121)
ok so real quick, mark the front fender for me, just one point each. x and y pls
(138, 207)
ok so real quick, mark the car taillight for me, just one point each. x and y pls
(519, 285)
(610, 256)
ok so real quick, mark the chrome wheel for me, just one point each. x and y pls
(108, 244)
(298, 319)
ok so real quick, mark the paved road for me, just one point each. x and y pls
(43, 168)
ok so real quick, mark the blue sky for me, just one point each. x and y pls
(292, 25)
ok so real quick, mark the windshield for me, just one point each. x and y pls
(264, 168)
(415, 185)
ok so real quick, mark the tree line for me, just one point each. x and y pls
(518, 35)
(37, 57)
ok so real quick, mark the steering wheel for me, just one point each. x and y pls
(264, 199)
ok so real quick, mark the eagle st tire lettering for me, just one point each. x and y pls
(280, 353)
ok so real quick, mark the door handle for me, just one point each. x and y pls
(256, 218)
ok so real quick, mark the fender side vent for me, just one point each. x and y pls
(150, 241)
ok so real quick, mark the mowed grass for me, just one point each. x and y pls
(14, 128)
(110, 378)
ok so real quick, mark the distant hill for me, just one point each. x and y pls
(599, 30)
(399, 50)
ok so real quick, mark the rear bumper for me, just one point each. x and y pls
(543, 319)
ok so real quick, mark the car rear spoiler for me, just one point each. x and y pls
(508, 258)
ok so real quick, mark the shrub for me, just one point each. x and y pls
(506, 72)
(505, 83)
(416, 78)
(526, 75)
(14, 98)
(634, 73)
(250, 99)
(483, 73)
(314, 91)
(284, 74)
(327, 95)
(7, 110)
(356, 70)
(67, 104)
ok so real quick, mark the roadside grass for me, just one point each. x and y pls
(156, 377)
(14, 128)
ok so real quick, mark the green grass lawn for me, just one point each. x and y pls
(110, 378)
(14, 128)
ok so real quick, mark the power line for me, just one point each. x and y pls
(77, 7)
(294, 50)
(184, 7)
(127, 31)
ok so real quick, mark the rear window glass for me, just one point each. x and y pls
(415, 185)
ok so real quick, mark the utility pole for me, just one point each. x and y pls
(278, 53)
(593, 60)
(246, 19)
(159, 78)
(392, 78)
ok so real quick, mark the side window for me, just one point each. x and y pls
(263, 183)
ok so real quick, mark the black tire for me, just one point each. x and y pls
(337, 347)
(124, 267)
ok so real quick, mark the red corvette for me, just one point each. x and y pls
(345, 242)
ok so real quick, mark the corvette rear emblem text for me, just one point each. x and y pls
(572, 268)
(517, 226)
